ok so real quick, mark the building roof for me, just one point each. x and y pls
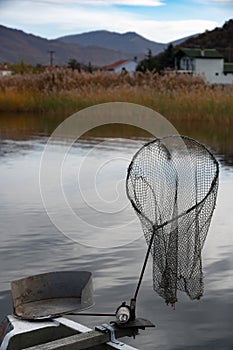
(4, 68)
(228, 68)
(199, 53)
(115, 64)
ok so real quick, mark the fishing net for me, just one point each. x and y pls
(172, 184)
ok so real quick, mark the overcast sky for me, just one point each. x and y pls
(158, 20)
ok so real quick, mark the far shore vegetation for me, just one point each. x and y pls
(65, 91)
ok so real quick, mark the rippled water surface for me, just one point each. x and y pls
(107, 240)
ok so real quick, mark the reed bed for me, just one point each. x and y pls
(65, 91)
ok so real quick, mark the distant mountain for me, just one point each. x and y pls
(182, 40)
(219, 38)
(130, 42)
(17, 46)
(99, 47)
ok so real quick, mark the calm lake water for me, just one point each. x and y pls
(107, 239)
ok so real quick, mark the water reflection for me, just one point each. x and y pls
(31, 244)
(28, 126)
(15, 126)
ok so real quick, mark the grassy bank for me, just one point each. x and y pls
(66, 91)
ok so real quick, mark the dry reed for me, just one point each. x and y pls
(65, 91)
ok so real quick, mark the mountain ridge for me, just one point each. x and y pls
(129, 42)
(16, 46)
(220, 38)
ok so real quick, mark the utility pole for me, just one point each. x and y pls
(51, 57)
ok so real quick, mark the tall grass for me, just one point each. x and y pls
(65, 91)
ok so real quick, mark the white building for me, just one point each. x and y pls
(208, 63)
(123, 66)
(4, 71)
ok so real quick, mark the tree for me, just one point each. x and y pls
(89, 67)
(168, 58)
(148, 64)
(21, 67)
(159, 62)
(73, 64)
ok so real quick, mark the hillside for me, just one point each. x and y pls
(219, 38)
(17, 46)
(99, 47)
(130, 42)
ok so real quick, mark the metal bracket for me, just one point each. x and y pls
(138, 323)
(106, 328)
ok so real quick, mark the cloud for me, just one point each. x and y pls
(214, 2)
(223, 1)
(167, 31)
(104, 2)
(45, 19)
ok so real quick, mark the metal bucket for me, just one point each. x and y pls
(52, 294)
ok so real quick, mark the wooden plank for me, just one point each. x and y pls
(75, 342)
(80, 328)
(80, 341)
(83, 329)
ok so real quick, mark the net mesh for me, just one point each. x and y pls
(172, 184)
